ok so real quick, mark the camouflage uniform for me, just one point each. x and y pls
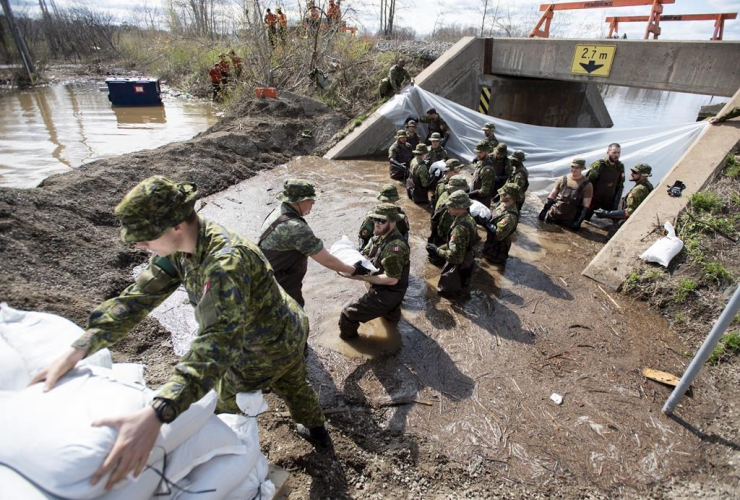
(403, 154)
(608, 182)
(441, 219)
(484, 176)
(435, 125)
(391, 255)
(636, 196)
(505, 219)
(491, 139)
(412, 139)
(519, 175)
(418, 182)
(501, 166)
(452, 165)
(458, 251)
(251, 334)
(388, 194)
(391, 84)
(729, 115)
(287, 241)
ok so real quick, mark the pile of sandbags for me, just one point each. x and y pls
(50, 450)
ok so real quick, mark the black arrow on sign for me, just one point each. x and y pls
(591, 66)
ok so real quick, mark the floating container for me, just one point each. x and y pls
(134, 91)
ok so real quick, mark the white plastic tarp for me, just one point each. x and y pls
(549, 150)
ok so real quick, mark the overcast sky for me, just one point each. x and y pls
(423, 15)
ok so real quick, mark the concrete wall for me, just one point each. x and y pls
(684, 66)
(702, 161)
(548, 103)
(453, 76)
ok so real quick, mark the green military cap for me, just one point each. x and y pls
(386, 211)
(411, 123)
(297, 190)
(421, 149)
(501, 149)
(458, 200)
(153, 206)
(489, 126)
(457, 183)
(643, 169)
(453, 164)
(519, 155)
(401, 133)
(435, 137)
(482, 146)
(431, 111)
(579, 162)
(388, 193)
(511, 190)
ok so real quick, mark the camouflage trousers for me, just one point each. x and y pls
(496, 251)
(374, 304)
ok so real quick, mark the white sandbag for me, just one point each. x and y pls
(346, 251)
(217, 478)
(14, 486)
(139, 488)
(437, 168)
(14, 375)
(251, 403)
(479, 210)
(129, 373)
(256, 485)
(48, 437)
(663, 250)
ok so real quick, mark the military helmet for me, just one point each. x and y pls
(511, 190)
(296, 191)
(488, 126)
(153, 206)
(435, 137)
(401, 133)
(457, 183)
(501, 149)
(386, 211)
(643, 169)
(579, 162)
(453, 164)
(388, 193)
(411, 123)
(519, 155)
(431, 111)
(421, 149)
(459, 200)
(482, 146)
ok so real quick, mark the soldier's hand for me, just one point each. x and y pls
(58, 368)
(432, 250)
(474, 195)
(360, 270)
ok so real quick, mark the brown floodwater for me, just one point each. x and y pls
(53, 129)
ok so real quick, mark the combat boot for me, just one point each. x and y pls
(318, 436)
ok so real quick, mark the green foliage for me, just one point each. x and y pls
(685, 286)
(728, 346)
(706, 201)
(678, 318)
(714, 272)
(732, 168)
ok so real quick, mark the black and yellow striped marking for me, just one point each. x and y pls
(485, 98)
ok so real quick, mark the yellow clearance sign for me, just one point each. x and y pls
(593, 60)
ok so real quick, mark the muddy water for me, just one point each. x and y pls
(474, 376)
(49, 130)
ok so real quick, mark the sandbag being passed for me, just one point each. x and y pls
(346, 251)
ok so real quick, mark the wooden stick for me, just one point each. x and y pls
(610, 297)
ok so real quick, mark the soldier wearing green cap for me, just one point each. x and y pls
(251, 335)
(519, 175)
(441, 219)
(400, 155)
(388, 252)
(435, 125)
(287, 241)
(417, 185)
(437, 152)
(607, 178)
(441, 178)
(412, 137)
(458, 251)
(488, 130)
(484, 175)
(394, 82)
(388, 194)
(569, 201)
(501, 166)
(639, 175)
(503, 223)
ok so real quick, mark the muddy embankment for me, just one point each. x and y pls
(59, 242)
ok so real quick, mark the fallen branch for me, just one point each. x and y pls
(610, 297)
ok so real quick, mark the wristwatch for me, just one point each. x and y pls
(164, 410)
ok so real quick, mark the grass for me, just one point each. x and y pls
(732, 168)
(685, 286)
(728, 345)
(706, 201)
(715, 273)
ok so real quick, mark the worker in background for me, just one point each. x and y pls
(488, 130)
(271, 21)
(441, 222)
(417, 183)
(607, 178)
(639, 175)
(397, 75)
(412, 138)
(435, 125)
(388, 194)
(215, 74)
(287, 241)
(503, 223)
(569, 201)
(501, 165)
(282, 24)
(452, 167)
(484, 176)
(334, 13)
(436, 151)
(519, 175)
(237, 62)
(400, 155)
(225, 73)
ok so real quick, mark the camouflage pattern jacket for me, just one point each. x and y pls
(462, 237)
(519, 175)
(484, 177)
(636, 196)
(402, 153)
(508, 219)
(420, 172)
(436, 154)
(396, 76)
(393, 260)
(367, 227)
(245, 320)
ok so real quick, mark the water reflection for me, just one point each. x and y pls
(633, 107)
(49, 130)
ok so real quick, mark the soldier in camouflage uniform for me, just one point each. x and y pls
(607, 178)
(388, 194)
(734, 112)
(436, 151)
(519, 175)
(287, 241)
(501, 166)
(458, 251)
(484, 176)
(391, 255)
(394, 82)
(417, 185)
(488, 130)
(435, 124)
(412, 137)
(442, 220)
(570, 197)
(401, 153)
(500, 229)
(452, 166)
(639, 175)
(251, 334)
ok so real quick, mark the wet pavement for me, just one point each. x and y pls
(475, 375)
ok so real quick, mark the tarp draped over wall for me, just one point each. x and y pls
(549, 149)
